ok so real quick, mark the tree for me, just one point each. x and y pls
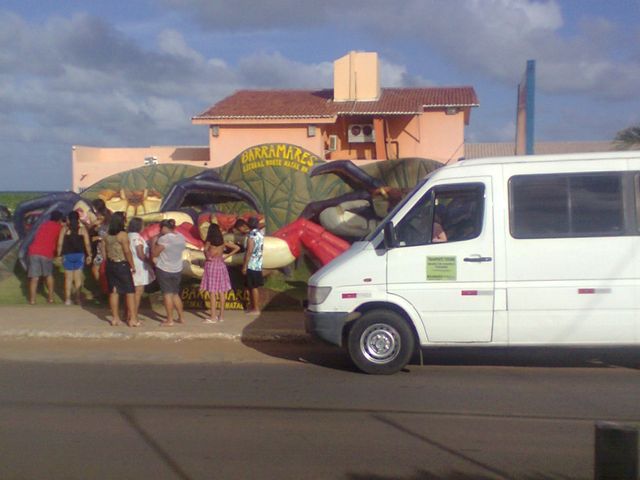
(628, 139)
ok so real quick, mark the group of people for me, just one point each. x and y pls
(121, 258)
(215, 279)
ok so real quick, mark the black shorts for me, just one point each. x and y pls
(168, 282)
(254, 279)
(119, 277)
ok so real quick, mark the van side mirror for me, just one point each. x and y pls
(389, 236)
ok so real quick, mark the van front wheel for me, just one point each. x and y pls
(380, 342)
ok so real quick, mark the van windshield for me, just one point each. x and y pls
(380, 227)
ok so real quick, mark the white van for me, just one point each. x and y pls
(537, 250)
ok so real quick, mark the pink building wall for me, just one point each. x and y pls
(233, 139)
(433, 135)
(92, 164)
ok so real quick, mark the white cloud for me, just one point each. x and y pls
(167, 114)
(173, 43)
(273, 70)
(396, 75)
(498, 132)
(391, 74)
(494, 38)
(251, 15)
(78, 80)
(83, 81)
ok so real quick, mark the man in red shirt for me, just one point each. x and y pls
(41, 253)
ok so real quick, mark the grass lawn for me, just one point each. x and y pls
(284, 292)
(13, 289)
(12, 199)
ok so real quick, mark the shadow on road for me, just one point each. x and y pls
(99, 311)
(547, 357)
(103, 313)
(425, 475)
(328, 356)
(312, 352)
(280, 325)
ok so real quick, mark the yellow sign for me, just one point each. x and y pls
(277, 155)
(441, 268)
(194, 299)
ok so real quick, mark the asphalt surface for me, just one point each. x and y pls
(254, 397)
(299, 414)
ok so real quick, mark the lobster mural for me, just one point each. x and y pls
(318, 208)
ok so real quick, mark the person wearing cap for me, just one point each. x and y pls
(252, 267)
(167, 247)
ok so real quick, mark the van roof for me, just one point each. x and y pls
(549, 158)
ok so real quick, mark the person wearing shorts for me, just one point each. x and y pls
(120, 269)
(167, 248)
(252, 267)
(73, 244)
(40, 255)
(140, 250)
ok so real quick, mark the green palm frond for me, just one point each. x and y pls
(628, 139)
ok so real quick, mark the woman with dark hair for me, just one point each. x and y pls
(143, 275)
(168, 247)
(73, 243)
(97, 233)
(120, 268)
(216, 277)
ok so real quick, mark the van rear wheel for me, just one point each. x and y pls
(380, 342)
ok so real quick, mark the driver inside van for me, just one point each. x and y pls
(438, 235)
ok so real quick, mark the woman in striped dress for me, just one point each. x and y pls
(216, 277)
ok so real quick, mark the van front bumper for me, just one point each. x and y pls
(327, 326)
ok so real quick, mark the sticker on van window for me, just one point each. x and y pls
(441, 268)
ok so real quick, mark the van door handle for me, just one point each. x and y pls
(477, 259)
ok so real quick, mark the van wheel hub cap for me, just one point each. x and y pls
(380, 343)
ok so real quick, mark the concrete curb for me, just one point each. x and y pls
(64, 323)
(260, 336)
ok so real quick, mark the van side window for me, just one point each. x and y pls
(566, 205)
(415, 227)
(448, 213)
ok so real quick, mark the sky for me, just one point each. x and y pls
(133, 73)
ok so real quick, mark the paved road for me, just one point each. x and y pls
(202, 410)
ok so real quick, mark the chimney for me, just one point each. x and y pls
(356, 76)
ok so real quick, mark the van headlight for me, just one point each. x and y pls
(317, 295)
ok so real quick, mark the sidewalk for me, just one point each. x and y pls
(91, 322)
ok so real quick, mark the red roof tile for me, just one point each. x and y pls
(263, 104)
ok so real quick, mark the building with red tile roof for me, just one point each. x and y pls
(356, 120)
